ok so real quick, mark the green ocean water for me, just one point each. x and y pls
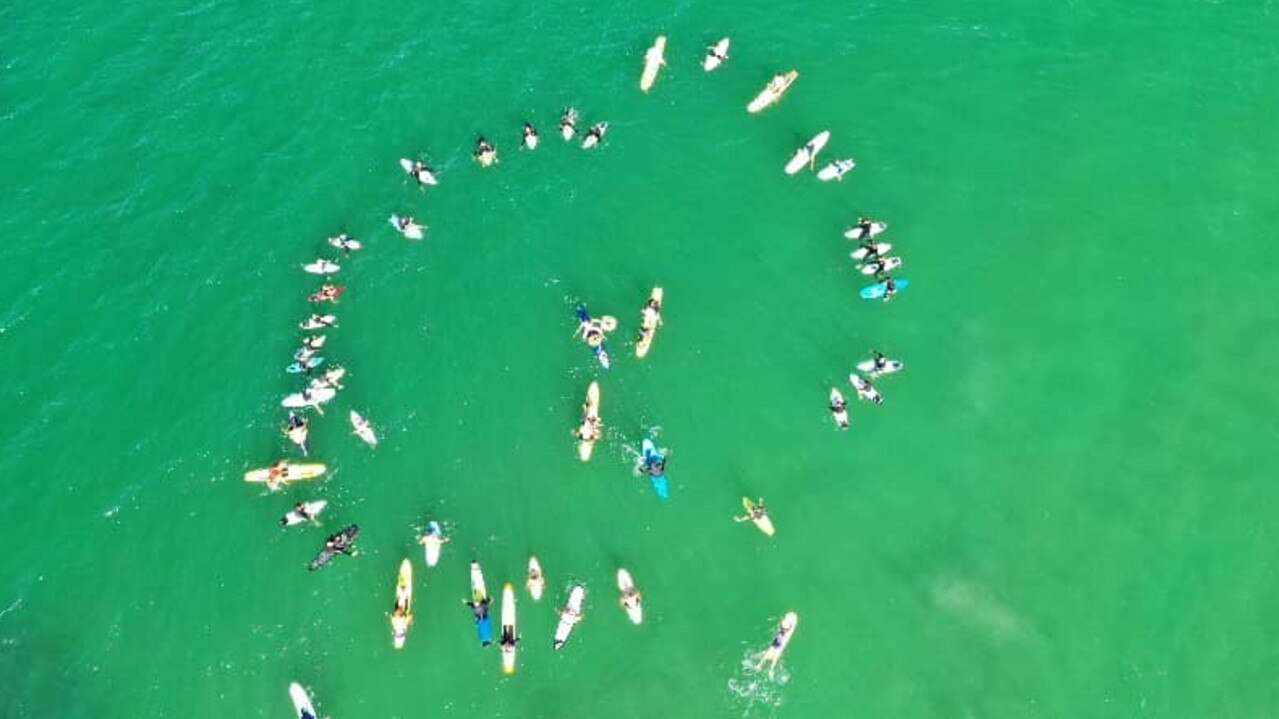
(1065, 508)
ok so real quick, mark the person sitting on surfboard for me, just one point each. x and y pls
(485, 152)
(881, 360)
(890, 286)
(508, 636)
(480, 608)
(715, 53)
(301, 510)
(590, 430)
(277, 470)
(839, 405)
(657, 467)
(343, 541)
(757, 512)
(343, 242)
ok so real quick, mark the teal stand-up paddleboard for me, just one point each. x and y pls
(655, 465)
(877, 290)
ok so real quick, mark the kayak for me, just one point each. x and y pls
(402, 615)
(536, 583)
(865, 390)
(570, 616)
(715, 55)
(423, 176)
(632, 599)
(363, 429)
(885, 265)
(879, 289)
(784, 633)
(322, 267)
(480, 596)
(595, 135)
(307, 513)
(650, 320)
(321, 297)
(654, 59)
(342, 242)
(840, 414)
(861, 253)
(298, 367)
(315, 322)
(509, 634)
(836, 170)
(433, 540)
(651, 458)
(890, 367)
(341, 543)
(289, 473)
(772, 92)
(764, 523)
(301, 702)
(808, 153)
(530, 137)
(857, 233)
(568, 124)
(590, 423)
(309, 398)
(412, 230)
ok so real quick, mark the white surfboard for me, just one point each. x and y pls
(865, 390)
(433, 541)
(313, 398)
(632, 599)
(412, 230)
(322, 267)
(568, 124)
(890, 367)
(836, 170)
(772, 92)
(862, 253)
(424, 176)
(590, 417)
(363, 429)
(595, 136)
(888, 264)
(302, 705)
(857, 233)
(805, 155)
(342, 242)
(311, 510)
(316, 322)
(530, 137)
(570, 616)
(715, 55)
(654, 59)
(780, 641)
(509, 633)
(838, 408)
(536, 583)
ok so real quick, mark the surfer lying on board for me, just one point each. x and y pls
(758, 512)
(657, 467)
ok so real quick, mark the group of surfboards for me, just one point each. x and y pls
(593, 332)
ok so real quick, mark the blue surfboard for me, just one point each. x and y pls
(485, 627)
(297, 368)
(877, 290)
(651, 457)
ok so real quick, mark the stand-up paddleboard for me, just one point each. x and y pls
(302, 705)
(315, 322)
(650, 320)
(655, 467)
(879, 289)
(865, 390)
(509, 634)
(654, 59)
(861, 233)
(284, 474)
(568, 124)
(774, 652)
(298, 367)
(479, 605)
(485, 153)
(890, 367)
(570, 616)
(421, 173)
(341, 543)
(773, 91)
(322, 267)
(407, 227)
(363, 429)
(402, 615)
(346, 244)
(303, 512)
(632, 599)
(530, 137)
(762, 521)
(595, 135)
(715, 55)
(836, 170)
(888, 264)
(433, 541)
(589, 433)
(878, 249)
(807, 154)
(310, 398)
(536, 583)
(839, 408)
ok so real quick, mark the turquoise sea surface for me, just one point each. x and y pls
(1066, 506)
